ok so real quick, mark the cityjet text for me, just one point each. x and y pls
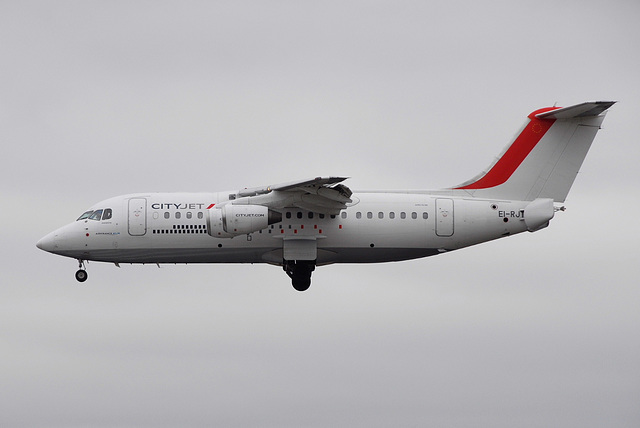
(194, 206)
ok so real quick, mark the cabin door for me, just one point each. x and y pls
(444, 217)
(137, 216)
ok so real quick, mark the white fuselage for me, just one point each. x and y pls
(376, 227)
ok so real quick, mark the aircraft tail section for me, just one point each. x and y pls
(544, 159)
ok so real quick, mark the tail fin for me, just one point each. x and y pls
(544, 159)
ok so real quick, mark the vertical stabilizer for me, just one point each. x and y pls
(544, 159)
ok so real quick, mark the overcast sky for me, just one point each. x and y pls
(99, 99)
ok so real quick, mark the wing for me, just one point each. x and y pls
(323, 195)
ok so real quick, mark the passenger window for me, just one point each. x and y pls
(321, 215)
(358, 215)
(166, 215)
(96, 215)
(310, 215)
(414, 215)
(392, 215)
(107, 214)
(189, 215)
(178, 214)
(343, 214)
(200, 215)
(425, 215)
(288, 214)
(380, 214)
(369, 214)
(403, 215)
(299, 214)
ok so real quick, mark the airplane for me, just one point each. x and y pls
(315, 222)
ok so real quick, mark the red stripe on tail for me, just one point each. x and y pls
(515, 154)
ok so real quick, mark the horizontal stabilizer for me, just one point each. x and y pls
(579, 110)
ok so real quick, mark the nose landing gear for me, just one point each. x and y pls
(300, 272)
(81, 274)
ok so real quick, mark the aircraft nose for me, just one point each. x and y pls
(48, 243)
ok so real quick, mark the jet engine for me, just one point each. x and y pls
(233, 220)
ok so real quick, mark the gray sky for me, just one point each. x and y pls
(104, 98)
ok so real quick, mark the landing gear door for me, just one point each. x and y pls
(444, 217)
(300, 248)
(137, 216)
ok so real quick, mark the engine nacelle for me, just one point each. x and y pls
(234, 220)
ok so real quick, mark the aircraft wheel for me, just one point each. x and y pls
(301, 284)
(81, 275)
(299, 272)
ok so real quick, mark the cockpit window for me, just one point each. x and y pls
(85, 215)
(96, 215)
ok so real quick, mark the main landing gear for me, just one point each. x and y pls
(300, 272)
(81, 274)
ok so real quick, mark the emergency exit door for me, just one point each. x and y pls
(137, 216)
(444, 217)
